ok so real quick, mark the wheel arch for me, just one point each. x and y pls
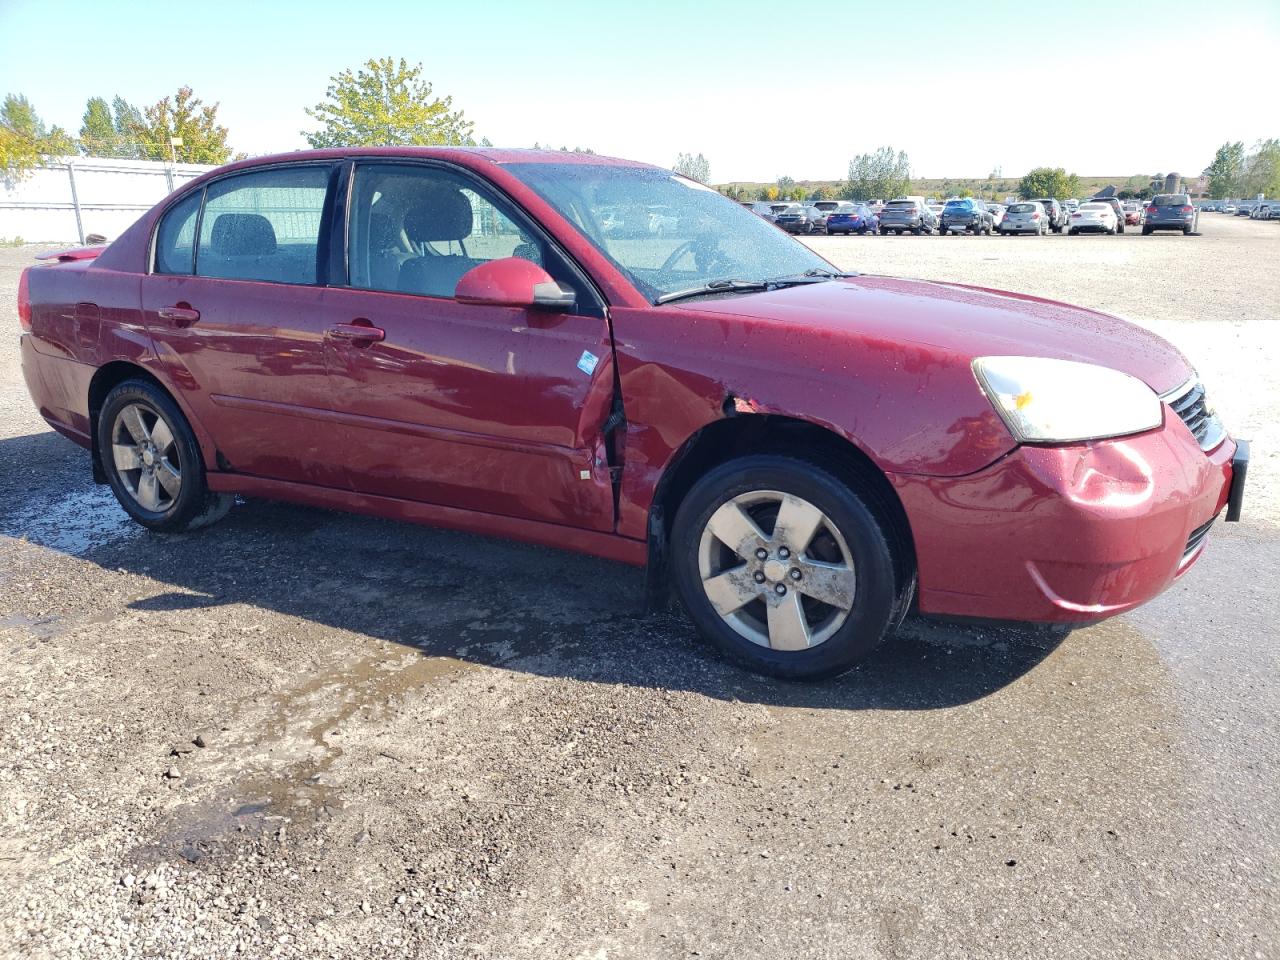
(107, 378)
(742, 435)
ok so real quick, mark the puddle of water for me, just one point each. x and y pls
(72, 522)
(303, 734)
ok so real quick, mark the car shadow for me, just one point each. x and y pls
(473, 598)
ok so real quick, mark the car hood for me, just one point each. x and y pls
(967, 321)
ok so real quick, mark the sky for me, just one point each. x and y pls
(761, 89)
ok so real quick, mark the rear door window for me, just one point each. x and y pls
(264, 225)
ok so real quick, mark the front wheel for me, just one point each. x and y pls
(784, 567)
(153, 462)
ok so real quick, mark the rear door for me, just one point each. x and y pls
(234, 307)
(490, 409)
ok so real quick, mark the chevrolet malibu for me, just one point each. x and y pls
(453, 337)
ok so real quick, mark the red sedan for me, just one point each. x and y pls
(607, 357)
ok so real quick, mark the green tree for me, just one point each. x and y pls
(25, 140)
(878, 176)
(695, 168)
(1261, 173)
(1049, 182)
(184, 115)
(110, 131)
(1224, 172)
(386, 103)
(127, 119)
(785, 186)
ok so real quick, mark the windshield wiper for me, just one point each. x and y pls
(826, 274)
(815, 275)
(715, 286)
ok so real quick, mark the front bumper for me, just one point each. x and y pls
(1069, 534)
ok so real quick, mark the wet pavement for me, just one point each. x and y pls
(419, 743)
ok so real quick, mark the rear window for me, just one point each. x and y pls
(901, 205)
(1096, 206)
(1022, 208)
(959, 204)
(1171, 199)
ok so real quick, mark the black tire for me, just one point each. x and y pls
(1119, 228)
(1071, 232)
(1186, 231)
(1146, 231)
(878, 596)
(194, 505)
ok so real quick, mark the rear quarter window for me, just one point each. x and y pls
(176, 238)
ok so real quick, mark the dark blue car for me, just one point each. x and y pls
(852, 218)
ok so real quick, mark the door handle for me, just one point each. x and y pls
(181, 314)
(360, 334)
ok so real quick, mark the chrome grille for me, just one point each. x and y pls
(1192, 407)
(1196, 539)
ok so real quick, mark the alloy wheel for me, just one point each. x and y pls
(146, 457)
(777, 570)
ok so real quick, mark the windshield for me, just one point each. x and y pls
(702, 236)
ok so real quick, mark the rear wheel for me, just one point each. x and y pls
(153, 462)
(784, 568)
(1119, 228)
(1146, 231)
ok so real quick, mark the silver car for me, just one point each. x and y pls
(1027, 216)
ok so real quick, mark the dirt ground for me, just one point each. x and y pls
(304, 734)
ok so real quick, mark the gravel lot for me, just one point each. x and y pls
(304, 734)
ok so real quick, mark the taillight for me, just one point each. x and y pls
(1075, 216)
(1035, 216)
(24, 300)
(1152, 209)
(1187, 209)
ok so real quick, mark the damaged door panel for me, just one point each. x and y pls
(493, 409)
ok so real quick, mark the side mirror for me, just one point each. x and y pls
(514, 282)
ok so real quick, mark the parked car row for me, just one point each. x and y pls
(1253, 209)
(1038, 216)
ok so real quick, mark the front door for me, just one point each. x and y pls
(238, 322)
(490, 409)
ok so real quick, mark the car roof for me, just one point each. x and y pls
(469, 156)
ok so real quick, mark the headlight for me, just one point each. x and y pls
(1056, 401)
